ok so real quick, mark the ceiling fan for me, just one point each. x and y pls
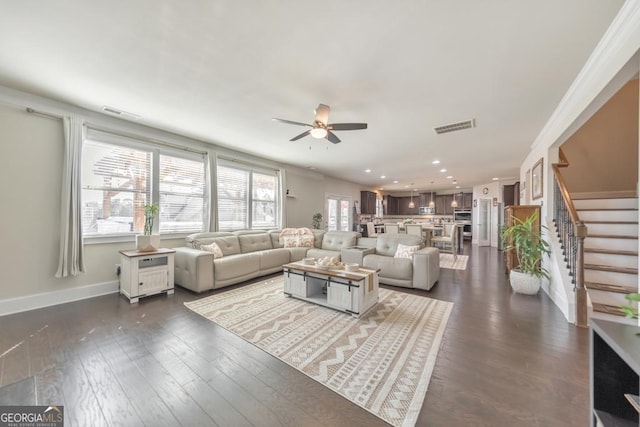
(320, 128)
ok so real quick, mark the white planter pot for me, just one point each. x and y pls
(147, 243)
(523, 283)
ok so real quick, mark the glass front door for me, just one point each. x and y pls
(338, 213)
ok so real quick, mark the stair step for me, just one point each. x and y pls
(611, 251)
(610, 222)
(611, 243)
(605, 209)
(608, 215)
(611, 236)
(626, 270)
(608, 309)
(607, 287)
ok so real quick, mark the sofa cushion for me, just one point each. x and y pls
(214, 249)
(319, 253)
(388, 243)
(197, 239)
(394, 268)
(274, 258)
(405, 251)
(275, 238)
(336, 240)
(254, 242)
(228, 244)
(238, 265)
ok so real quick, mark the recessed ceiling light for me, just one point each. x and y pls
(454, 182)
(383, 176)
(395, 182)
(450, 176)
(457, 186)
(406, 186)
(443, 170)
(311, 167)
(367, 170)
(435, 162)
(495, 178)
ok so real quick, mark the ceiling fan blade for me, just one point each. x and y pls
(322, 114)
(302, 135)
(290, 122)
(332, 137)
(347, 126)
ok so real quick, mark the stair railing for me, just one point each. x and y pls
(571, 232)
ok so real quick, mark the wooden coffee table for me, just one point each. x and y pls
(352, 292)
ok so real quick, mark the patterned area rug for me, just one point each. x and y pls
(447, 261)
(381, 362)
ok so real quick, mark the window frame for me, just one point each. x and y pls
(251, 169)
(155, 149)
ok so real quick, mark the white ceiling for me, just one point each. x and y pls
(220, 70)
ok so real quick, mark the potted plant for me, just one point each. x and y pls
(148, 241)
(316, 221)
(529, 246)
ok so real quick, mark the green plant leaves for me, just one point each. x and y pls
(528, 245)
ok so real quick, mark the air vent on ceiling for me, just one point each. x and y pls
(119, 113)
(467, 124)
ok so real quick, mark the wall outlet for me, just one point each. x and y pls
(117, 269)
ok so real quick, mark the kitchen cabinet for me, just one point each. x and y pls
(391, 205)
(467, 201)
(403, 206)
(368, 202)
(443, 204)
(425, 199)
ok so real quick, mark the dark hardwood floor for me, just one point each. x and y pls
(506, 360)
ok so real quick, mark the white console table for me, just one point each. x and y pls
(352, 292)
(146, 273)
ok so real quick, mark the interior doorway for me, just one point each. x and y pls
(338, 213)
(484, 222)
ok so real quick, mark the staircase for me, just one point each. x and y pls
(610, 253)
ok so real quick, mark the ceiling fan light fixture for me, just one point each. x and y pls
(318, 133)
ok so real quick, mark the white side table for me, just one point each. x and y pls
(146, 273)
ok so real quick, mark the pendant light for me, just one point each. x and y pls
(454, 202)
(411, 204)
(432, 204)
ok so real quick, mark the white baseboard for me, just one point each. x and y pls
(46, 299)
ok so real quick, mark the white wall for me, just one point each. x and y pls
(31, 149)
(307, 195)
(611, 65)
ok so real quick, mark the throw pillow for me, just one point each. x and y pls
(213, 248)
(405, 251)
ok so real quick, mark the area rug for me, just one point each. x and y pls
(382, 361)
(447, 261)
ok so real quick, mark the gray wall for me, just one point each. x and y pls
(31, 150)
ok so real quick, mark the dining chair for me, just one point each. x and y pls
(447, 242)
(392, 228)
(371, 230)
(414, 229)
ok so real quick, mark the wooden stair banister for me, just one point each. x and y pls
(579, 232)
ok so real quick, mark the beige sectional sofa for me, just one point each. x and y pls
(247, 255)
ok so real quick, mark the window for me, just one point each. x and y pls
(120, 178)
(247, 197)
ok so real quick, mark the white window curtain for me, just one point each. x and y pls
(71, 257)
(282, 212)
